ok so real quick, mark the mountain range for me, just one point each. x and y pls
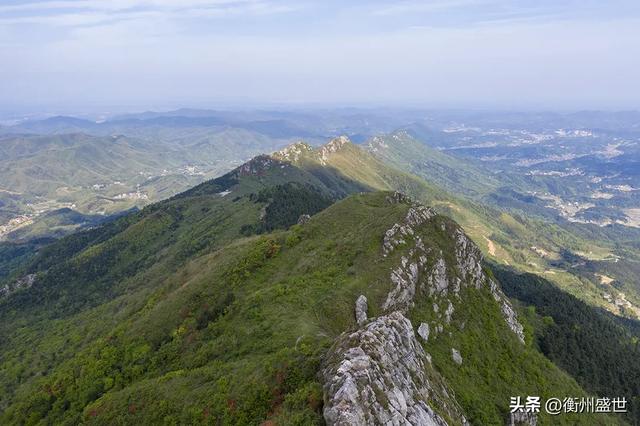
(313, 285)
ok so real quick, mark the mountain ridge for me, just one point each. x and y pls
(236, 288)
(219, 305)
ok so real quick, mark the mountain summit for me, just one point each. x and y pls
(301, 150)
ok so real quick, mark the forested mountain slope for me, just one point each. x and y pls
(599, 349)
(204, 309)
(241, 333)
(106, 173)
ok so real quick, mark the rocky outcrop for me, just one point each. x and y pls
(377, 143)
(303, 219)
(455, 355)
(331, 147)
(408, 277)
(19, 284)
(398, 198)
(423, 331)
(469, 260)
(377, 375)
(469, 267)
(437, 281)
(258, 166)
(380, 373)
(448, 312)
(405, 279)
(508, 313)
(381, 143)
(522, 418)
(293, 152)
(399, 233)
(361, 310)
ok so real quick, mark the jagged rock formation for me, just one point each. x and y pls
(257, 166)
(469, 259)
(378, 143)
(437, 280)
(398, 234)
(293, 152)
(507, 310)
(379, 373)
(299, 150)
(405, 278)
(332, 146)
(408, 277)
(361, 310)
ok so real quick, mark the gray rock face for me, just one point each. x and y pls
(405, 278)
(416, 216)
(521, 418)
(507, 310)
(361, 310)
(303, 219)
(448, 313)
(437, 281)
(469, 259)
(377, 375)
(423, 331)
(457, 358)
(394, 237)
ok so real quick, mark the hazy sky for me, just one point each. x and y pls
(140, 54)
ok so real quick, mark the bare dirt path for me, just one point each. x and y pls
(491, 246)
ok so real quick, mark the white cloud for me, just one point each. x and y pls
(92, 12)
(114, 5)
(150, 54)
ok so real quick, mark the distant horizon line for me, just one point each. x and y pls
(107, 112)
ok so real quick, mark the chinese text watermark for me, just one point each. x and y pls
(554, 406)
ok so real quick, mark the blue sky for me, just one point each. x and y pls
(139, 54)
